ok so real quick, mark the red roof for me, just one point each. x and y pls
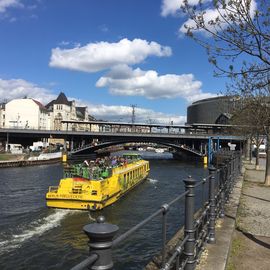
(41, 106)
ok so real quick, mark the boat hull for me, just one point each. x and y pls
(95, 195)
(83, 204)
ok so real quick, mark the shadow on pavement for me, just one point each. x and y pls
(254, 239)
(255, 197)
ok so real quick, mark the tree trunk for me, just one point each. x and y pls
(257, 166)
(247, 149)
(267, 165)
(250, 152)
(257, 152)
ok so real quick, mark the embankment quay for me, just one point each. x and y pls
(23, 163)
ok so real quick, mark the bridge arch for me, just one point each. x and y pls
(90, 149)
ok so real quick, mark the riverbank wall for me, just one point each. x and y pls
(23, 163)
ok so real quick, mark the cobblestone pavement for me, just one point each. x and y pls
(250, 247)
(254, 210)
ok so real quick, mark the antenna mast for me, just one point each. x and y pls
(133, 116)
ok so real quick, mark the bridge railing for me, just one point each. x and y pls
(199, 227)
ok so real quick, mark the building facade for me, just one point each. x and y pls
(215, 110)
(2, 114)
(62, 109)
(29, 113)
(26, 113)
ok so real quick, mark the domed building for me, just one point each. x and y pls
(215, 110)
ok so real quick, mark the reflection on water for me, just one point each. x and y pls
(35, 237)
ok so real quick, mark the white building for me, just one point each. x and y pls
(31, 114)
(26, 113)
(2, 115)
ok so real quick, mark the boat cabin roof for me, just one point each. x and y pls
(132, 155)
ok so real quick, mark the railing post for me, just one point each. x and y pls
(189, 223)
(226, 181)
(164, 234)
(212, 215)
(100, 236)
(233, 166)
(232, 175)
(222, 193)
(239, 163)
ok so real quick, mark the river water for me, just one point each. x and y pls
(35, 237)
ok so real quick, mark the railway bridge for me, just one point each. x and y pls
(195, 139)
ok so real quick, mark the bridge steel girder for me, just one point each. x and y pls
(111, 138)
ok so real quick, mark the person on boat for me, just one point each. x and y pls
(86, 162)
(114, 162)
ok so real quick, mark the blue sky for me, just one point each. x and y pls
(105, 54)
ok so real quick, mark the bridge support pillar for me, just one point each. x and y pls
(7, 142)
(71, 144)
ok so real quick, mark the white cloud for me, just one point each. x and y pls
(123, 114)
(18, 88)
(123, 80)
(212, 14)
(103, 28)
(64, 43)
(99, 56)
(173, 7)
(5, 4)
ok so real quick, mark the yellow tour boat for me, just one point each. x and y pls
(95, 185)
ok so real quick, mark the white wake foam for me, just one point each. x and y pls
(35, 228)
(153, 181)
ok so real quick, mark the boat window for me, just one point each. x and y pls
(125, 177)
(94, 192)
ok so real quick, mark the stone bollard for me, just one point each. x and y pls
(212, 213)
(189, 247)
(100, 236)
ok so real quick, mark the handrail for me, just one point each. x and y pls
(135, 228)
(88, 261)
(162, 209)
(177, 252)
